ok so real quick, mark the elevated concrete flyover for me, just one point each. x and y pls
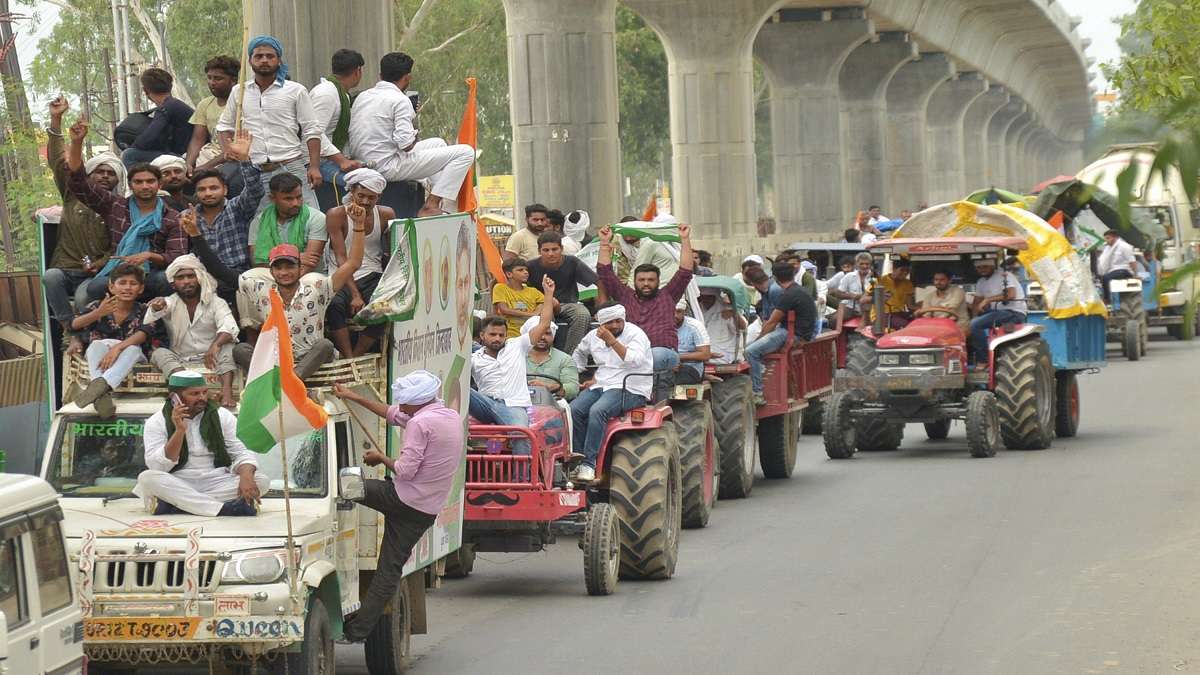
(893, 102)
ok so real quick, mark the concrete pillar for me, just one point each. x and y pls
(997, 137)
(563, 101)
(802, 58)
(907, 98)
(312, 31)
(975, 136)
(1029, 152)
(711, 85)
(862, 87)
(1013, 162)
(944, 149)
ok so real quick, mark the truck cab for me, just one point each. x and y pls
(41, 628)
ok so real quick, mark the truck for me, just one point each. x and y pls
(1164, 199)
(41, 627)
(172, 589)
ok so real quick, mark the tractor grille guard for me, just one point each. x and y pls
(490, 470)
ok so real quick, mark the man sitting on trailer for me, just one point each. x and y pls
(620, 350)
(194, 460)
(501, 394)
(423, 474)
(775, 329)
(1116, 261)
(723, 324)
(199, 324)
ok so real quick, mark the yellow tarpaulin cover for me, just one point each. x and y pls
(1049, 260)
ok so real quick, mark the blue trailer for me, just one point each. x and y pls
(1076, 345)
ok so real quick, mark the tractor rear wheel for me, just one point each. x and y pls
(777, 439)
(645, 489)
(1066, 405)
(733, 412)
(694, 422)
(1131, 340)
(837, 429)
(983, 424)
(1025, 394)
(601, 549)
(937, 431)
(811, 417)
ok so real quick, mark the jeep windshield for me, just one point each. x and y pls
(94, 457)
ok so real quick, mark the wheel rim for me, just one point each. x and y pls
(1073, 397)
(613, 564)
(993, 428)
(1045, 400)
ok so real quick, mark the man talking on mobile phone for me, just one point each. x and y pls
(194, 460)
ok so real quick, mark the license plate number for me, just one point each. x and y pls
(155, 629)
(901, 383)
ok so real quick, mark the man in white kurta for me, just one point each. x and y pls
(184, 473)
(384, 137)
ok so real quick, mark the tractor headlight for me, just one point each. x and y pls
(889, 359)
(921, 359)
(255, 567)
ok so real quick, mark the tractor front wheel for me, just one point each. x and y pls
(1066, 403)
(733, 412)
(983, 424)
(645, 489)
(837, 428)
(601, 549)
(694, 422)
(1131, 340)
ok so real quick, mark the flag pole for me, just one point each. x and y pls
(293, 571)
(237, 125)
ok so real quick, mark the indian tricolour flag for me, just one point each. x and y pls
(273, 386)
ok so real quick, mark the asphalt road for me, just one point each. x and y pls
(1081, 558)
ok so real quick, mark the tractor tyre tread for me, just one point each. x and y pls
(645, 489)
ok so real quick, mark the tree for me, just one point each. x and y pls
(645, 127)
(1160, 60)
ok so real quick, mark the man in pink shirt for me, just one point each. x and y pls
(423, 474)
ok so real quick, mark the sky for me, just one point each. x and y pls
(1097, 15)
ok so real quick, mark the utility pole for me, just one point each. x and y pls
(114, 115)
(119, 44)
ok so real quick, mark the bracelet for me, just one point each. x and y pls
(362, 230)
(52, 132)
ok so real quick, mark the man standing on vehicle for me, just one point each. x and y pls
(650, 308)
(423, 474)
(999, 299)
(1116, 260)
(501, 393)
(620, 350)
(195, 462)
(775, 329)
(568, 274)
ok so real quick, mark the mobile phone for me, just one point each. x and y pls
(415, 97)
(176, 401)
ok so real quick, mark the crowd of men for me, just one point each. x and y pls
(168, 253)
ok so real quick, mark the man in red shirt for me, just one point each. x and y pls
(649, 307)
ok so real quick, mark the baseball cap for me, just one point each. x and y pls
(284, 252)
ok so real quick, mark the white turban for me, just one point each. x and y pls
(577, 224)
(810, 266)
(416, 388)
(368, 178)
(208, 285)
(753, 258)
(532, 323)
(169, 161)
(666, 219)
(610, 313)
(113, 162)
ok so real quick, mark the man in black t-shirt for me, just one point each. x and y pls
(774, 334)
(170, 129)
(568, 274)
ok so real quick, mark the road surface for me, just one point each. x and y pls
(1078, 559)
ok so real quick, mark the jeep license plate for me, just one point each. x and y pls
(901, 383)
(142, 630)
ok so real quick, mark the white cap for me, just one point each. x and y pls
(754, 258)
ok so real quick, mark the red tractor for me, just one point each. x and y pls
(633, 508)
(1020, 397)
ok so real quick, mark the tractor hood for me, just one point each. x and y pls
(928, 332)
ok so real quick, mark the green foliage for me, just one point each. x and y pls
(440, 71)
(33, 191)
(198, 30)
(643, 104)
(1161, 59)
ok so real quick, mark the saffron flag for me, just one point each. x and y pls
(272, 385)
(651, 208)
(468, 134)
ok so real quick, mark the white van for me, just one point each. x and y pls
(41, 627)
(1166, 201)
